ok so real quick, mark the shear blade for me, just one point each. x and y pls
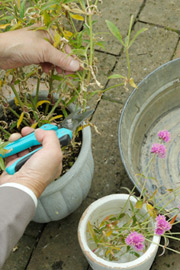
(75, 119)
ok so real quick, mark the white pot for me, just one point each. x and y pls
(65, 195)
(98, 210)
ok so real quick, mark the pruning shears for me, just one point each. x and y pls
(64, 133)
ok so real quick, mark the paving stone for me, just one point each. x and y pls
(20, 257)
(169, 260)
(58, 247)
(119, 12)
(105, 63)
(164, 12)
(109, 171)
(177, 51)
(152, 48)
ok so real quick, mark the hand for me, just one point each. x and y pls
(42, 168)
(25, 47)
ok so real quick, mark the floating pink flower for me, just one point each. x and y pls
(159, 149)
(162, 225)
(164, 135)
(135, 240)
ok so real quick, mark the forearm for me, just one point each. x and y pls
(16, 211)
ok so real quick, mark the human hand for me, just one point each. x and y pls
(25, 47)
(42, 168)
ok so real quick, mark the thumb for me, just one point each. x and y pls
(60, 59)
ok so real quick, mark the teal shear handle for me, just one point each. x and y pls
(64, 135)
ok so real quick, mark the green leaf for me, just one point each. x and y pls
(116, 76)
(100, 44)
(91, 231)
(129, 31)
(81, 52)
(22, 9)
(136, 35)
(139, 204)
(57, 77)
(46, 18)
(115, 31)
(49, 5)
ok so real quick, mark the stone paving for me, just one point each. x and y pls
(55, 245)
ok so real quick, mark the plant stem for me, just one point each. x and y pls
(17, 115)
(128, 63)
(91, 47)
(53, 108)
(37, 90)
(17, 96)
(50, 90)
(72, 23)
(5, 131)
(111, 87)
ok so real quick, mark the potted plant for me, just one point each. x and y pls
(122, 231)
(35, 98)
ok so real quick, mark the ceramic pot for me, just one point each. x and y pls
(66, 194)
(98, 210)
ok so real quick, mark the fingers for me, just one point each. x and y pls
(14, 137)
(26, 130)
(60, 59)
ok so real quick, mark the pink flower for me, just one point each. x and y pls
(162, 225)
(164, 135)
(135, 240)
(159, 149)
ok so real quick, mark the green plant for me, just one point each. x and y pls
(132, 229)
(67, 22)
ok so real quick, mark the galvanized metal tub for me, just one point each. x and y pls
(153, 106)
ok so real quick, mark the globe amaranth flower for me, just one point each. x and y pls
(159, 149)
(135, 240)
(162, 225)
(164, 135)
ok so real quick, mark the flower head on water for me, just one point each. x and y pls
(162, 225)
(159, 149)
(135, 240)
(164, 135)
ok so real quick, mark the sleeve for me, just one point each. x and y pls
(17, 208)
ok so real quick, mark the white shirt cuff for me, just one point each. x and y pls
(23, 188)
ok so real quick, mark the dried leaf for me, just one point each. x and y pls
(77, 17)
(132, 83)
(16, 101)
(39, 103)
(151, 210)
(56, 117)
(57, 39)
(3, 26)
(34, 125)
(67, 34)
(109, 233)
(20, 119)
(173, 219)
(2, 165)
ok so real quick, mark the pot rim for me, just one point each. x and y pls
(93, 257)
